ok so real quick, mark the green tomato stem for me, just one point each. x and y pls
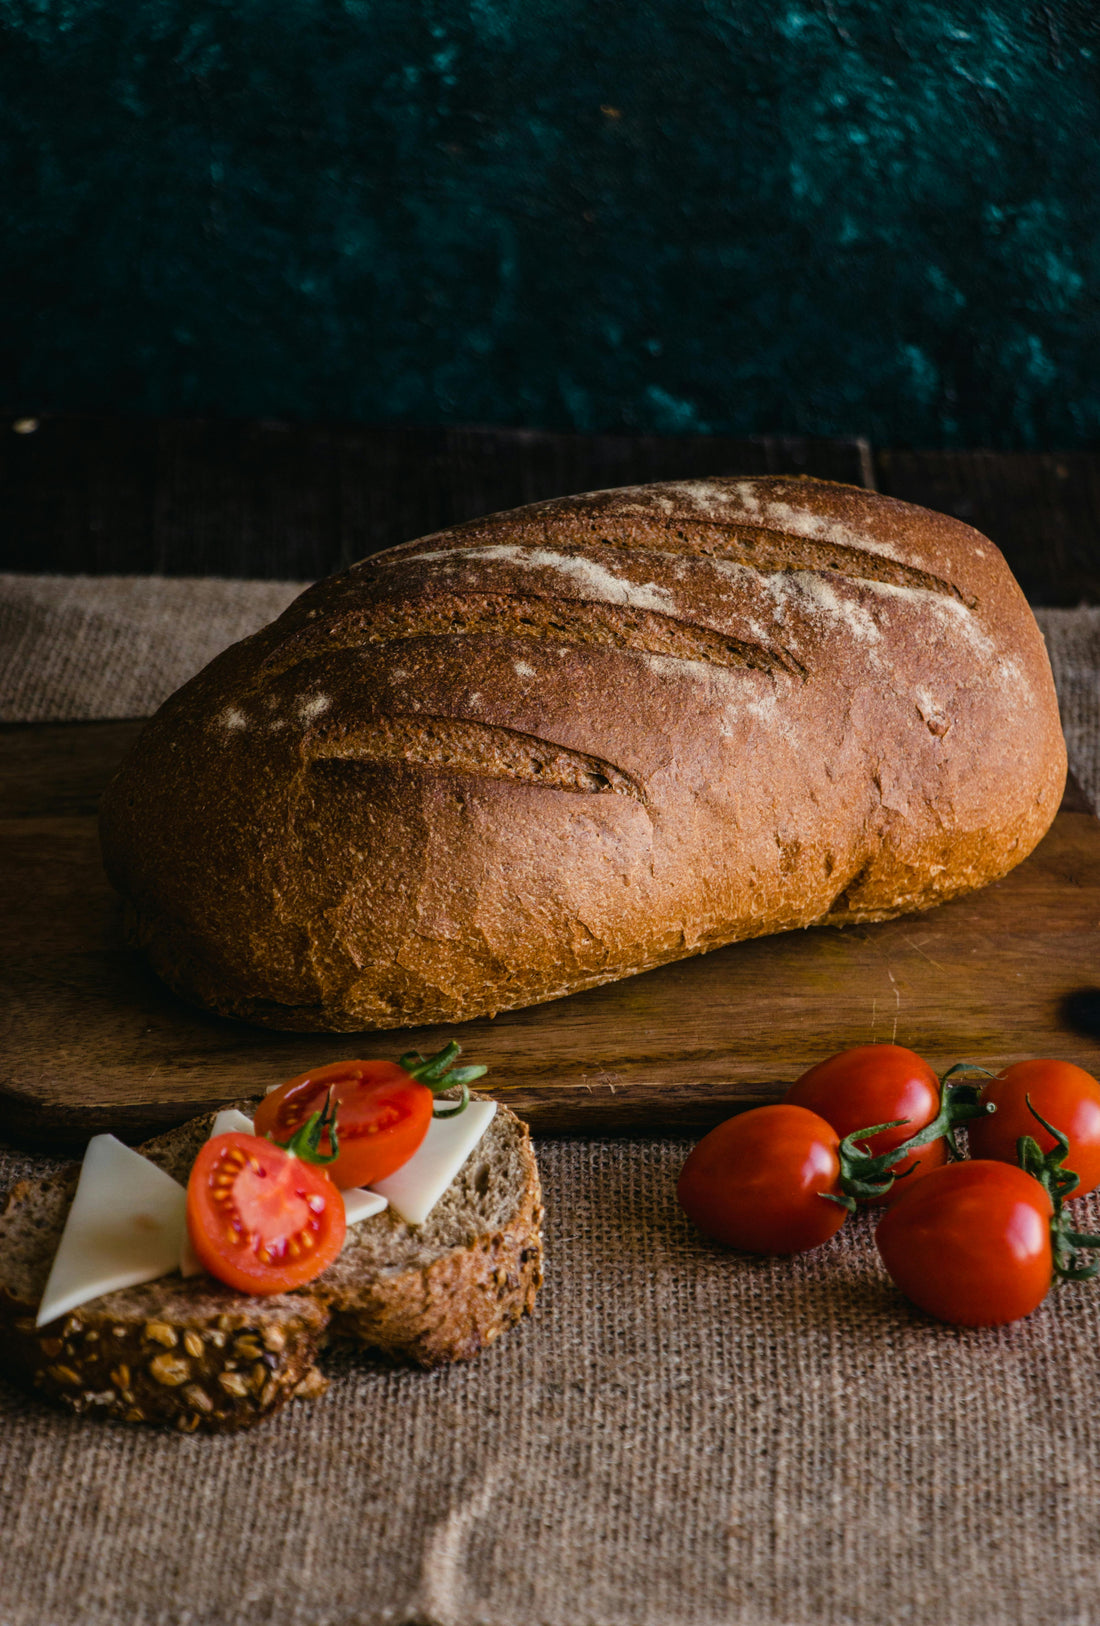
(306, 1142)
(864, 1176)
(437, 1073)
(1070, 1249)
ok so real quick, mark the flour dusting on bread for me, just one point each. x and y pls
(678, 687)
(597, 581)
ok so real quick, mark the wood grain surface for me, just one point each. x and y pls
(291, 501)
(90, 1040)
(192, 497)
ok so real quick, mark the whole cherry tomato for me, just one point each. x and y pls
(970, 1243)
(1065, 1095)
(876, 1084)
(383, 1109)
(758, 1181)
(261, 1219)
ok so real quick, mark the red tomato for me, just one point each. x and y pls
(876, 1084)
(1067, 1097)
(756, 1182)
(262, 1220)
(970, 1243)
(382, 1115)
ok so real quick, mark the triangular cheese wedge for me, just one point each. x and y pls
(360, 1204)
(123, 1228)
(417, 1186)
(229, 1121)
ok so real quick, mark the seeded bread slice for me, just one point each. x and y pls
(196, 1356)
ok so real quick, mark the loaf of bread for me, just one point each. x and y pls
(561, 745)
(196, 1355)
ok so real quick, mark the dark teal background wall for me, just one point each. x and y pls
(821, 217)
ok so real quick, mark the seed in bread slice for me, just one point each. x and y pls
(197, 1356)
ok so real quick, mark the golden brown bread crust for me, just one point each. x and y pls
(557, 746)
(455, 1306)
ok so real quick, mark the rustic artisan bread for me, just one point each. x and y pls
(198, 1356)
(560, 745)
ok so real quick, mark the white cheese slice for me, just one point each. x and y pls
(123, 1228)
(188, 1260)
(226, 1122)
(360, 1204)
(414, 1189)
(229, 1121)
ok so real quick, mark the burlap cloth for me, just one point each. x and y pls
(679, 1437)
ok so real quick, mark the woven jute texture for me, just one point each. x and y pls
(85, 647)
(680, 1436)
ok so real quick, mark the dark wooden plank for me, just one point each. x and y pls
(59, 769)
(281, 501)
(90, 1040)
(278, 500)
(78, 495)
(1041, 508)
(245, 500)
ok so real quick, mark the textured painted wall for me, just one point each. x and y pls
(817, 216)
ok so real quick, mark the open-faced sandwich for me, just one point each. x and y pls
(193, 1282)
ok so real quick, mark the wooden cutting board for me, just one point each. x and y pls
(90, 1040)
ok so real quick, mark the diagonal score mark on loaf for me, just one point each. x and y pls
(782, 551)
(557, 621)
(776, 551)
(767, 549)
(482, 750)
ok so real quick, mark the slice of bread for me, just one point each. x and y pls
(195, 1355)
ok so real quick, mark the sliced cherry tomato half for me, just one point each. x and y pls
(757, 1181)
(262, 1220)
(877, 1084)
(1065, 1095)
(382, 1115)
(970, 1243)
